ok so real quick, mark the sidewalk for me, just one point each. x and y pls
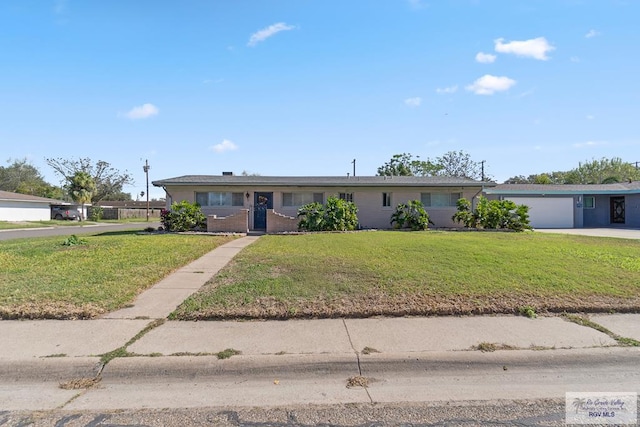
(57, 351)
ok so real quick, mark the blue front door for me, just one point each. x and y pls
(261, 202)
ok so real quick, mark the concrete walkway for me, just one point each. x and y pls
(163, 298)
(621, 233)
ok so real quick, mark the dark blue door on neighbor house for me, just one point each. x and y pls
(261, 202)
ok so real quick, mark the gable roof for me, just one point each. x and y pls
(322, 181)
(17, 197)
(532, 189)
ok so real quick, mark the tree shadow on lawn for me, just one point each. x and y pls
(119, 233)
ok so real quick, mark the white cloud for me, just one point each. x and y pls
(590, 117)
(225, 145)
(485, 58)
(413, 102)
(450, 89)
(265, 33)
(589, 144)
(574, 59)
(142, 112)
(533, 48)
(488, 85)
(592, 33)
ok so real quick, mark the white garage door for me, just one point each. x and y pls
(548, 212)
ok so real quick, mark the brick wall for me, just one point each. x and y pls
(278, 223)
(235, 223)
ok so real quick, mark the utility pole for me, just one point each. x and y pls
(482, 168)
(146, 168)
(354, 167)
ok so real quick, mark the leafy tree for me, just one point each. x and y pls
(183, 216)
(120, 197)
(405, 165)
(493, 214)
(603, 171)
(81, 187)
(459, 164)
(452, 163)
(543, 178)
(411, 215)
(22, 177)
(108, 180)
(517, 179)
(336, 215)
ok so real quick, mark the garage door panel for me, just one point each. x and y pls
(548, 212)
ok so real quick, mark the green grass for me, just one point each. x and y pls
(432, 272)
(41, 277)
(11, 225)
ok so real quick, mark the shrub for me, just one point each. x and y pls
(95, 213)
(311, 217)
(493, 214)
(183, 216)
(411, 215)
(336, 215)
(73, 240)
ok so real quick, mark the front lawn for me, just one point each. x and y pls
(423, 273)
(42, 278)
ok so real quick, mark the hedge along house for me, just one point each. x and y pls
(575, 206)
(270, 203)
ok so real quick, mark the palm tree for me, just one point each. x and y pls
(81, 187)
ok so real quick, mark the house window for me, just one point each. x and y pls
(301, 198)
(218, 198)
(346, 196)
(589, 202)
(440, 199)
(386, 200)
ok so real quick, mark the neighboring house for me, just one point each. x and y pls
(23, 207)
(575, 206)
(270, 203)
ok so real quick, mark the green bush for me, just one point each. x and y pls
(411, 215)
(493, 214)
(73, 240)
(336, 215)
(95, 213)
(183, 216)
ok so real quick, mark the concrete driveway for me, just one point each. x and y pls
(622, 233)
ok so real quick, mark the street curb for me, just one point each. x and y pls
(130, 369)
(49, 369)
(191, 367)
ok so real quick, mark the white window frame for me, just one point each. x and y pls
(346, 197)
(427, 199)
(387, 200)
(223, 198)
(593, 202)
(295, 199)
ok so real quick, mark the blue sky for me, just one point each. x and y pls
(301, 87)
